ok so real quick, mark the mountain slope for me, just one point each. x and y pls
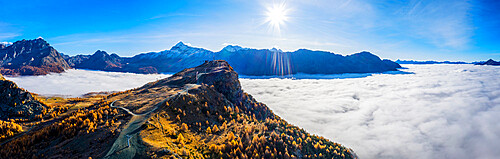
(16, 103)
(31, 57)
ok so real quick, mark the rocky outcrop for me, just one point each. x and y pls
(17, 103)
(31, 57)
(219, 75)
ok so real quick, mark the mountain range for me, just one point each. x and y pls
(429, 62)
(489, 62)
(200, 112)
(37, 57)
(244, 60)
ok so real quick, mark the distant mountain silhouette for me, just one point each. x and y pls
(30, 57)
(244, 60)
(100, 60)
(489, 62)
(429, 62)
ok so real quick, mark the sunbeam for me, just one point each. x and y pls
(277, 15)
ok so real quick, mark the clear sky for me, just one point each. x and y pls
(415, 29)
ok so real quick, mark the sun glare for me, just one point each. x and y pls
(277, 16)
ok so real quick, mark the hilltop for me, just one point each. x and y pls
(200, 112)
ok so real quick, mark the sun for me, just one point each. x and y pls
(277, 16)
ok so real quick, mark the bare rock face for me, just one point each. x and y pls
(220, 77)
(17, 103)
(31, 57)
(216, 73)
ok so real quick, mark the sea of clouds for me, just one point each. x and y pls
(75, 82)
(440, 111)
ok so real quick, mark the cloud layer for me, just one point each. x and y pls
(78, 82)
(441, 111)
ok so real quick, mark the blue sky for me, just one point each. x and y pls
(419, 30)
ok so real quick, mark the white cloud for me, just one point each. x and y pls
(441, 111)
(78, 82)
(444, 23)
(7, 36)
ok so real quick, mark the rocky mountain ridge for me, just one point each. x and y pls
(31, 57)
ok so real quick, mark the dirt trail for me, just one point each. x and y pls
(127, 144)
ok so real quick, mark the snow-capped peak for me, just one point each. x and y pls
(6, 43)
(180, 46)
(186, 48)
(275, 50)
(232, 48)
